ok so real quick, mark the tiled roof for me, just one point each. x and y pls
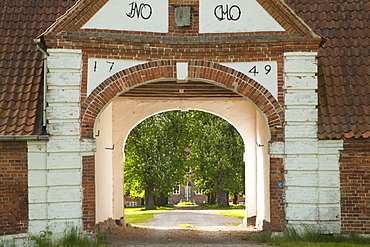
(344, 64)
(21, 21)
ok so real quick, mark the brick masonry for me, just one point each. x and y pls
(355, 186)
(88, 186)
(201, 70)
(13, 188)
(203, 54)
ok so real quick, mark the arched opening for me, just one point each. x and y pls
(125, 112)
(217, 89)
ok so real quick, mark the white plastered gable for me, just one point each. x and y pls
(221, 16)
(128, 15)
(228, 16)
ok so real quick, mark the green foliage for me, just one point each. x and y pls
(217, 158)
(7, 243)
(186, 203)
(216, 207)
(311, 237)
(137, 218)
(185, 225)
(157, 158)
(240, 214)
(43, 239)
(101, 238)
(155, 155)
(72, 237)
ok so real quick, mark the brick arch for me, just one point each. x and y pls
(200, 70)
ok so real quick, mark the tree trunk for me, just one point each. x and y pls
(162, 200)
(222, 198)
(149, 197)
(212, 198)
(235, 198)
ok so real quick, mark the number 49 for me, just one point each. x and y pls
(254, 70)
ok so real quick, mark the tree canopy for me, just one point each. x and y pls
(156, 158)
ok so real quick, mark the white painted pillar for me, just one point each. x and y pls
(250, 166)
(306, 183)
(37, 187)
(59, 203)
(263, 171)
(301, 144)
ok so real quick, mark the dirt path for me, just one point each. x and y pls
(133, 236)
(208, 229)
(199, 219)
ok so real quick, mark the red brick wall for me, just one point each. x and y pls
(88, 185)
(355, 186)
(203, 52)
(277, 197)
(13, 188)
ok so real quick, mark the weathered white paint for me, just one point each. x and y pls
(296, 196)
(127, 113)
(65, 160)
(18, 240)
(301, 163)
(308, 98)
(301, 115)
(100, 69)
(301, 213)
(242, 16)
(312, 170)
(65, 111)
(37, 192)
(264, 72)
(182, 71)
(301, 130)
(62, 95)
(68, 78)
(55, 166)
(298, 64)
(115, 15)
(64, 128)
(277, 149)
(300, 82)
(68, 60)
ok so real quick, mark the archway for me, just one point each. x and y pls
(123, 114)
(264, 120)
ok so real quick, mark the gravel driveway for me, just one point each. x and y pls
(210, 229)
(199, 219)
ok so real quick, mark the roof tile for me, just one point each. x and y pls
(20, 62)
(344, 87)
(344, 62)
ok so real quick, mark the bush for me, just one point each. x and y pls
(72, 237)
(294, 237)
(186, 203)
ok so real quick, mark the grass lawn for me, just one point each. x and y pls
(309, 237)
(215, 207)
(238, 213)
(138, 214)
(142, 210)
(320, 245)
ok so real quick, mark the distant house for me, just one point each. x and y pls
(186, 193)
(292, 76)
(180, 194)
